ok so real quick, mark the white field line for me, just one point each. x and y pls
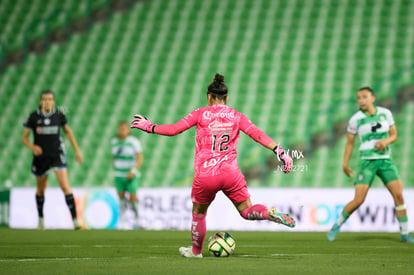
(61, 259)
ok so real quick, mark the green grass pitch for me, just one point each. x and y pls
(156, 252)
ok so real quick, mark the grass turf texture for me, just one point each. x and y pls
(156, 252)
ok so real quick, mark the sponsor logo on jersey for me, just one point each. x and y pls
(210, 115)
(214, 162)
(47, 130)
(216, 124)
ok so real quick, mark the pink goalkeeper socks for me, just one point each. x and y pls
(255, 212)
(198, 232)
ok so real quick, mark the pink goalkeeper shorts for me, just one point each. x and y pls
(232, 184)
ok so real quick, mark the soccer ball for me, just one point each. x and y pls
(221, 244)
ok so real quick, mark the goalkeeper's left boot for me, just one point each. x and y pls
(187, 252)
(282, 218)
(331, 236)
(407, 239)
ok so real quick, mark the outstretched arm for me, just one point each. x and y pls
(259, 136)
(172, 129)
(256, 134)
(142, 123)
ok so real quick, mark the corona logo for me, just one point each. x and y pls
(210, 115)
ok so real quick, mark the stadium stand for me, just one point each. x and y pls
(285, 63)
(19, 15)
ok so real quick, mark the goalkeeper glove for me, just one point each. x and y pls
(285, 158)
(142, 123)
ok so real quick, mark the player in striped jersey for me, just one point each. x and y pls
(127, 159)
(376, 130)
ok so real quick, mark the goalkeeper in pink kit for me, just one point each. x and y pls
(215, 163)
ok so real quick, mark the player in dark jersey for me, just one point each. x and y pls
(49, 151)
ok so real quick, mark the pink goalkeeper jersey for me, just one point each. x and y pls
(218, 129)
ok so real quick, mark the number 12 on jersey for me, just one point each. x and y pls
(223, 139)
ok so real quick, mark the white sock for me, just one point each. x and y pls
(403, 221)
(404, 228)
(122, 207)
(134, 208)
(342, 218)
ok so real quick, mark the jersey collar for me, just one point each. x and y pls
(44, 115)
(376, 112)
(219, 105)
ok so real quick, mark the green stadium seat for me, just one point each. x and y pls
(283, 64)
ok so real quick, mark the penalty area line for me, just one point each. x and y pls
(61, 259)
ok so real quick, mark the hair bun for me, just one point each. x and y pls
(219, 78)
(217, 86)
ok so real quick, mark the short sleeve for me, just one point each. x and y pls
(29, 122)
(63, 120)
(352, 126)
(137, 145)
(113, 141)
(390, 118)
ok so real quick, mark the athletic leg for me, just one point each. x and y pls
(361, 191)
(235, 188)
(133, 201)
(396, 189)
(122, 202)
(203, 193)
(41, 183)
(261, 212)
(198, 227)
(131, 188)
(40, 168)
(198, 232)
(121, 187)
(62, 177)
(122, 208)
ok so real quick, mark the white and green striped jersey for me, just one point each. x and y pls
(125, 154)
(371, 129)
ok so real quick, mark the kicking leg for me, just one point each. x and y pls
(261, 212)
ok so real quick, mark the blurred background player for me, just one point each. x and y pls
(127, 159)
(49, 151)
(215, 164)
(376, 130)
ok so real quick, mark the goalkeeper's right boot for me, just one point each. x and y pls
(41, 224)
(331, 236)
(282, 218)
(187, 252)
